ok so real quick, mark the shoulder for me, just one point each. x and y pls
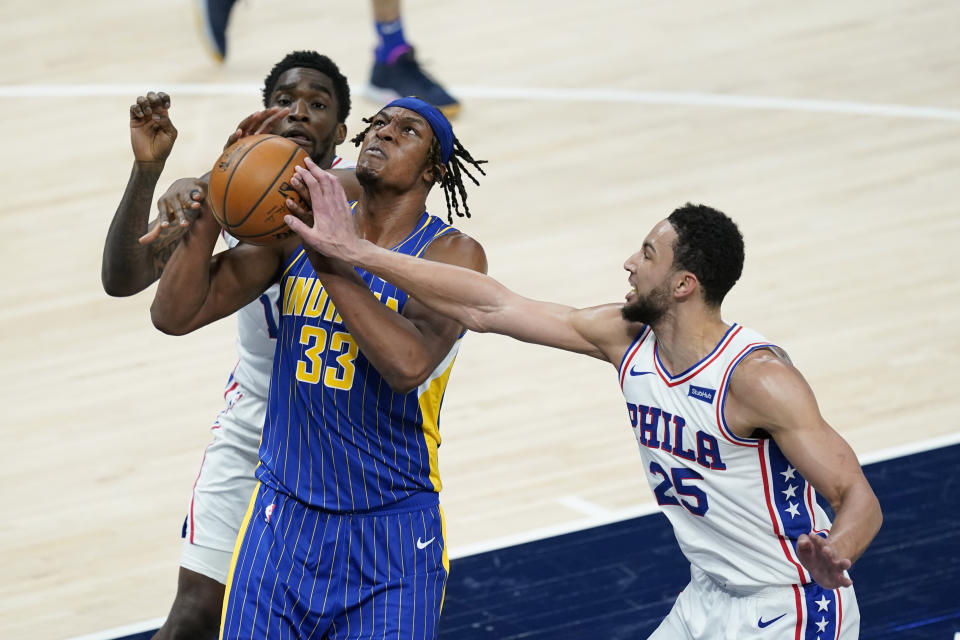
(767, 392)
(456, 247)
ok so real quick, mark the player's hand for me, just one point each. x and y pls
(258, 122)
(152, 134)
(331, 231)
(179, 206)
(818, 556)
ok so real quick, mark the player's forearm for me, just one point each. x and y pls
(184, 286)
(128, 267)
(471, 298)
(387, 339)
(857, 521)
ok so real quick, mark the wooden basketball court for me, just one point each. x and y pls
(829, 131)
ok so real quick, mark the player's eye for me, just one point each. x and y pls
(283, 101)
(319, 105)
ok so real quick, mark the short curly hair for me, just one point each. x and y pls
(710, 246)
(318, 62)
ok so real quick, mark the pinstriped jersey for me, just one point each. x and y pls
(736, 504)
(336, 436)
(257, 330)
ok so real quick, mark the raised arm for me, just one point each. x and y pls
(473, 299)
(128, 267)
(135, 254)
(767, 392)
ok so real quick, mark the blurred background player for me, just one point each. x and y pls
(313, 98)
(396, 72)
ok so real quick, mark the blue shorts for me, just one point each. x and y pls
(299, 572)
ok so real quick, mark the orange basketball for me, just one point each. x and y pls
(250, 184)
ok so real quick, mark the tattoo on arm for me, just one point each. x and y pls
(164, 246)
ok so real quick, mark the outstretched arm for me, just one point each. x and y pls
(473, 299)
(767, 392)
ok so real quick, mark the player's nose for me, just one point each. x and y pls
(298, 111)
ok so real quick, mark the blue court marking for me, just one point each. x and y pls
(620, 579)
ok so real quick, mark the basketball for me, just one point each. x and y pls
(250, 184)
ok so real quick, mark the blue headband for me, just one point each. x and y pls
(442, 130)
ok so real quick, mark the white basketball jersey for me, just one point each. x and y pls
(257, 329)
(736, 504)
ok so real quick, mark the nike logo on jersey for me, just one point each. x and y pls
(423, 545)
(634, 372)
(762, 624)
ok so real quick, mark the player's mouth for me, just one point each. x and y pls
(375, 150)
(299, 136)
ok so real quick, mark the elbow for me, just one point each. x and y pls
(116, 287)
(407, 376)
(166, 323)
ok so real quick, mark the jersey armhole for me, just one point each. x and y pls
(722, 395)
(632, 351)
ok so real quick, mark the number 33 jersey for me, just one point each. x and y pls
(336, 436)
(736, 504)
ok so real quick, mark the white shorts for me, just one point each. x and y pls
(706, 610)
(224, 485)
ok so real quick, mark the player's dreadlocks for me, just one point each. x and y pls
(449, 175)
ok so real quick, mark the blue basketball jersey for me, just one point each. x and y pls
(336, 435)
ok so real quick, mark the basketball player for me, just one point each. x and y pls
(730, 435)
(308, 99)
(396, 71)
(344, 536)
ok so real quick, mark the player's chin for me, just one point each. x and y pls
(367, 172)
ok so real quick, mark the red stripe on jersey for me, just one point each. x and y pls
(773, 515)
(703, 365)
(799, 600)
(839, 613)
(193, 493)
(633, 352)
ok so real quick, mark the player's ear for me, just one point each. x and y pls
(341, 133)
(686, 284)
(433, 173)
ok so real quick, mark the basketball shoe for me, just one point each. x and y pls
(404, 77)
(212, 18)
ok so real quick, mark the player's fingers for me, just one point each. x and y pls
(155, 102)
(272, 119)
(164, 99)
(300, 188)
(144, 105)
(153, 232)
(310, 182)
(296, 225)
(236, 135)
(196, 197)
(178, 211)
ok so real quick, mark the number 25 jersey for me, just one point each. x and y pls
(736, 504)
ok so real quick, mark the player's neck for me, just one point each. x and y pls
(385, 218)
(684, 338)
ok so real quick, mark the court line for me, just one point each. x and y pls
(609, 517)
(126, 630)
(542, 94)
(582, 505)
